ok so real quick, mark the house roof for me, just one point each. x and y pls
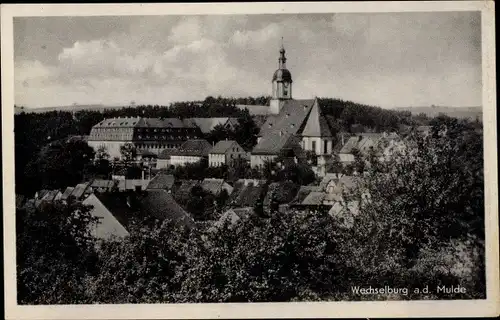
(67, 193)
(161, 181)
(223, 146)
(131, 184)
(195, 148)
(158, 204)
(233, 216)
(208, 124)
(344, 210)
(274, 144)
(51, 195)
(212, 185)
(364, 141)
(104, 184)
(119, 122)
(79, 190)
(184, 190)
(108, 227)
(162, 205)
(314, 198)
(246, 194)
(304, 192)
(42, 193)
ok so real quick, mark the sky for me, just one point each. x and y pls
(384, 59)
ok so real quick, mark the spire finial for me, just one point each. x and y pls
(282, 45)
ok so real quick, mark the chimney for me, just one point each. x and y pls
(342, 137)
(281, 133)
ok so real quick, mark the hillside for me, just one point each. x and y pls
(74, 108)
(457, 112)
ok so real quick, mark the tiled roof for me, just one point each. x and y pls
(222, 146)
(233, 216)
(161, 181)
(314, 198)
(51, 195)
(67, 193)
(290, 119)
(103, 184)
(184, 190)
(42, 193)
(275, 143)
(303, 192)
(345, 213)
(195, 148)
(208, 124)
(161, 204)
(108, 227)
(128, 208)
(246, 195)
(212, 185)
(131, 184)
(364, 141)
(317, 124)
(119, 122)
(80, 190)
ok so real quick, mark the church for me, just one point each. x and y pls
(292, 124)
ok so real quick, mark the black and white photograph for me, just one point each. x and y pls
(216, 156)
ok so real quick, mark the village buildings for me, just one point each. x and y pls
(224, 152)
(191, 151)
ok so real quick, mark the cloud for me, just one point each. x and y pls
(384, 59)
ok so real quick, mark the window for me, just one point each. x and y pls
(313, 146)
(325, 147)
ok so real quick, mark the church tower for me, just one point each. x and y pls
(282, 83)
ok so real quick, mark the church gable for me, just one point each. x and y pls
(317, 124)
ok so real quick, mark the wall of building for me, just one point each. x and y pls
(216, 160)
(307, 144)
(112, 147)
(163, 163)
(346, 157)
(182, 160)
(257, 160)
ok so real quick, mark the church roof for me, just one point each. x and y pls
(317, 124)
(290, 119)
(274, 143)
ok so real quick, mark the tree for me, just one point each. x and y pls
(128, 152)
(425, 199)
(55, 253)
(60, 164)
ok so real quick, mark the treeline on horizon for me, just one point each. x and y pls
(33, 131)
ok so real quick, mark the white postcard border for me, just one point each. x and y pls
(456, 308)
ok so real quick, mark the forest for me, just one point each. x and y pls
(422, 224)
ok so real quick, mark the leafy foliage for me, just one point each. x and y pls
(55, 253)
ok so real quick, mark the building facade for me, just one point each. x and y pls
(224, 152)
(147, 134)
